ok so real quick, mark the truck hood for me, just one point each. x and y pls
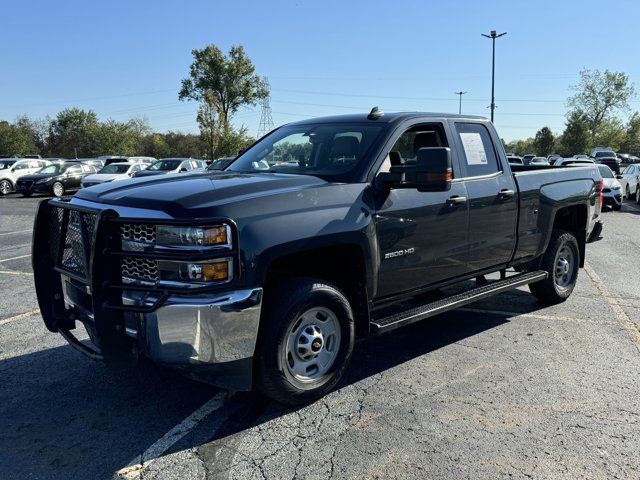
(175, 194)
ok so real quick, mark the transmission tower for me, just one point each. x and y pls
(266, 122)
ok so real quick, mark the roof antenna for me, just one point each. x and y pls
(375, 113)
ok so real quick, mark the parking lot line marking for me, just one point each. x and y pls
(17, 231)
(619, 312)
(138, 464)
(18, 317)
(632, 207)
(14, 258)
(540, 316)
(13, 272)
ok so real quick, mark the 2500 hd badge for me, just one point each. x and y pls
(399, 253)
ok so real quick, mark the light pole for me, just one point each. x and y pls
(460, 93)
(493, 37)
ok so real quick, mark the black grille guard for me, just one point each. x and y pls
(60, 228)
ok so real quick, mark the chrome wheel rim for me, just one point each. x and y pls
(313, 343)
(5, 187)
(58, 189)
(564, 266)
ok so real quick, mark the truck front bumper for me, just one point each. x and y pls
(207, 332)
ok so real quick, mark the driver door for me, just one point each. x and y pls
(422, 236)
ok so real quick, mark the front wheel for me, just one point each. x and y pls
(627, 193)
(306, 341)
(58, 189)
(561, 261)
(5, 187)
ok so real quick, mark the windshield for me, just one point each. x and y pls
(5, 165)
(164, 165)
(605, 171)
(324, 150)
(605, 154)
(50, 169)
(115, 168)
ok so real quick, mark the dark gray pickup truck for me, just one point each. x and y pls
(264, 274)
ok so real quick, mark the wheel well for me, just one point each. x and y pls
(341, 265)
(573, 219)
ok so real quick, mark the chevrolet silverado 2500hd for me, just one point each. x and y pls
(263, 274)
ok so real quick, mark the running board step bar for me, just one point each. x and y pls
(415, 314)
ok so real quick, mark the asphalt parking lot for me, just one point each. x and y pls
(503, 389)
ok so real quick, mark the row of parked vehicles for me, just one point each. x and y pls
(58, 176)
(620, 181)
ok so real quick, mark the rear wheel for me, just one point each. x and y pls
(306, 341)
(627, 193)
(58, 189)
(5, 187)
(596, 232)
(561, 261)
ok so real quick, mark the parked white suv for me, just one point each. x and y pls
(22, 166)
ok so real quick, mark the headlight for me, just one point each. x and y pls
(208, 271)
(171, 236)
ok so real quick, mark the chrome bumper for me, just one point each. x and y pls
(207, 330)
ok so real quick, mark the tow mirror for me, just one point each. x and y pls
(432, 172)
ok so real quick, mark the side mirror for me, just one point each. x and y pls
(432, 172)
(619, 177)
(182, 170)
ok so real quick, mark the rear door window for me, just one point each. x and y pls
(477, 150)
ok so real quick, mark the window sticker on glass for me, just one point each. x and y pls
(473, 148)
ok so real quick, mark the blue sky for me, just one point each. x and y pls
(125, 59)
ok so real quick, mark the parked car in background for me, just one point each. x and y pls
(630, 180)
(220, 163)
(171, 165)
(513, 160)
(56, 179)
(581, 155)
(33, 157)
(611, 188)
(16, 168)
(607, 158)
(539, 161)
(94, 162)
(624, 158)
(111, 173)
(553, 157)
(527, 158)
(566, 162)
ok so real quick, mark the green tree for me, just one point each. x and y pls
(631, 143)
(575, 138)
(154, 145)
(610, 133)
(210, 125)
(119, 138)
(38, 130)
(599, 94)
(544, 141)
(72, 131)
(230, 79)
(183, 145)
(231, 141)
(14, 140)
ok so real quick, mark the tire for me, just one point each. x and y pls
(557, 287)
(57, 189)
(627, 193)
(617, 208)
(293, 327)
(595, 233)
(5, 187)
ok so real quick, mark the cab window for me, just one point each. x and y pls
(477, 150)
(21, 165)
(405, 149)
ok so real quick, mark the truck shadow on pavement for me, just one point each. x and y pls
(63, 416)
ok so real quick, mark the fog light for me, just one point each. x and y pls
(210, 271)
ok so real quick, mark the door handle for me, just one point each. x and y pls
(456, 200)
(506, 194)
